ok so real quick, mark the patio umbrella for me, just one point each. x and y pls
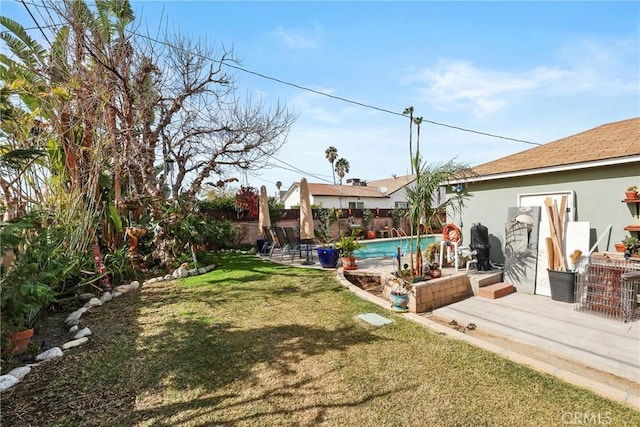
(306, 215)
(263, 217)
(306, 218)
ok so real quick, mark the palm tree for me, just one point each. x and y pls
(418, 122)
(425, 206)
(409, 111)
(342, 168)
(278, 186)
(331, 154)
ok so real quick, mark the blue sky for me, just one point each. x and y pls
(534, 71)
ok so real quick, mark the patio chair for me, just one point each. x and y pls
(285, 246)
(271, 242)
(294, 242)
(300, 246)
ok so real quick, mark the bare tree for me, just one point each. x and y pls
(124, 104)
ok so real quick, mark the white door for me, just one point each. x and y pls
(537, 199)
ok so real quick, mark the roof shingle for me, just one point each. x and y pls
(609, 141)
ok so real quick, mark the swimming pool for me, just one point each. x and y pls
(388, 247)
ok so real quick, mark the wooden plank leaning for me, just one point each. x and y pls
(557, 242)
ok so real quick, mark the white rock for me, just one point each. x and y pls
(73, 317)
(153, 280)
(193, 272)
(74, 343)
(20, 372)
(85, 296)
(7, 381)
(210, 267)
(123, 289)
(84, 332)
(73, 329)
(93, 302)
(116, 294)
(50, 354)
(106, 297)
(134, 285)
(180, 273)
(202, 270)
(168, 277)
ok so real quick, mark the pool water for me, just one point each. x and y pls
(388, 247)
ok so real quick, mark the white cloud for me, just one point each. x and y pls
(315, 107)
(297, 38)
(582, 68)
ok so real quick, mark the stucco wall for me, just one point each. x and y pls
(599, 193)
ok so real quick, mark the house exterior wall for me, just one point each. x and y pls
(598, 199)
(343, 203)
(293, 199)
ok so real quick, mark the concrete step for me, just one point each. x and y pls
(497, 290)
(481, 279)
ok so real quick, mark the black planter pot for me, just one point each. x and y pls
(562, 284)
(328, 257)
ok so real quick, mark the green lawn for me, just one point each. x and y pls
(254, 343)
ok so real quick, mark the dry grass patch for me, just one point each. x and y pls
(253, 343)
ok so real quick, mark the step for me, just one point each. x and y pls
(497, 290)
(480, 280)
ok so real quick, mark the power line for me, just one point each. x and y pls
(297, 86)
(339, 98)
(36, 22)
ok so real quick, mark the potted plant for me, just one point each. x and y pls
(402, 286)
(631, 193)
(24, 284)
(328, 256)
(432, 252)
(434, 270)
(327, 253)
(367, 216)
(347, 245)
(631, 244)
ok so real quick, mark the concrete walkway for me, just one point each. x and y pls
(604, 344)
(536, 321)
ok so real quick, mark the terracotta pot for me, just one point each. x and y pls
(620, 247)
(17, 342)
(349, 263)
(371, 234)
(630, 195)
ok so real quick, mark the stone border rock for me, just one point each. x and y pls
(80, 337)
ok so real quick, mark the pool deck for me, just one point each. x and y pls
(609, 347)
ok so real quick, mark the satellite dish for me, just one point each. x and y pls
(383, 189)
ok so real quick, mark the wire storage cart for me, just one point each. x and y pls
(609, 289)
